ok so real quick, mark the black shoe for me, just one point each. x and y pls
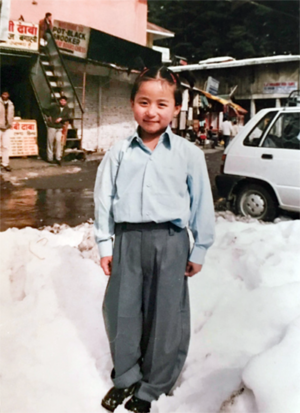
(138, 405)
(58, 162)
(115, 397)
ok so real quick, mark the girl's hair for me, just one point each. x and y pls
(162, 73)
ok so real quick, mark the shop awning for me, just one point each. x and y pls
(225, 102)
(237, 108)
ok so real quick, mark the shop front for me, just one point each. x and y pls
(18, 55)
(201, 111)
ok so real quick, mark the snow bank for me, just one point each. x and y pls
(244, 354)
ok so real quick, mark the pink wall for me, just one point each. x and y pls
(122, 18)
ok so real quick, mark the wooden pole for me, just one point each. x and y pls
(83, 99)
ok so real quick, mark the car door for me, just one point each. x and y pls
(278, 159)
(244, 152)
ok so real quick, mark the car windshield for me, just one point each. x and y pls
(254, 137)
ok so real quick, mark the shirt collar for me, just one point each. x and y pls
(166, 137)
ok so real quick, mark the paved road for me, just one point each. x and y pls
(42, 195)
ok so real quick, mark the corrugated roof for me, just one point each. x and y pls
(237, 63)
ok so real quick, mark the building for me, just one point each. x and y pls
(154, 33)
(126, 19)
(94, 69)
(254, 83)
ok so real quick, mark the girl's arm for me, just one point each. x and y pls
(202, 217)
(104, 193)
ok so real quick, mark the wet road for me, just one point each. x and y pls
(62, 199)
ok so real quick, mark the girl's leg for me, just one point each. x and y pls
(146, 309)
(122, 308)
(166, 327)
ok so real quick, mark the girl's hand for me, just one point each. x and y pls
(105, 264)
(192, 268)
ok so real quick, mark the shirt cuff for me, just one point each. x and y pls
(105, 248)
(197, 255)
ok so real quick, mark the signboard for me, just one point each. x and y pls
(22, 35)
(212, 86)
(71, 38)
(23, 141)
(284, 88)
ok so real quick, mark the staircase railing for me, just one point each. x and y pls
(51, 80)
(56, 56)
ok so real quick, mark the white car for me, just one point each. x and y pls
(260, 172)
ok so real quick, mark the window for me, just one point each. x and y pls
(285, 133)
(255, 136)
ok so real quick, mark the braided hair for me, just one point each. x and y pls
(162, 73)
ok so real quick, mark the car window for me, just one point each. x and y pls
(285, 133)
(255, 136)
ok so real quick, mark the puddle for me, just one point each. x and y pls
(39, 207)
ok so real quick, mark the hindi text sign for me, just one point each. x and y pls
(23, 141)
(22, 35)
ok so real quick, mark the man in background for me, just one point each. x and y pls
(235, 129)
(57, 117)
(226, 130)
(7, 113)
(45, 25)
(212, 137)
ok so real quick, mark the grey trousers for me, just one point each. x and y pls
(146, 307)
(54, 135)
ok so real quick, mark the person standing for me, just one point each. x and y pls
(150, 187)
(7, 113)
(45, 25)
(235, 129)
(226, 130)
(212, 137)
(193, 133)
(58, 115)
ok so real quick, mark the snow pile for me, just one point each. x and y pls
(244, 355)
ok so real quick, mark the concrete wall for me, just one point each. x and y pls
(117, 120)
(108, 116)
(122, 18)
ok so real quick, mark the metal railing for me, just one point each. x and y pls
(55, 56)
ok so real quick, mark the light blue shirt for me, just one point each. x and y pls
(170, 183)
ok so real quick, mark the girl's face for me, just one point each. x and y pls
(154, 107)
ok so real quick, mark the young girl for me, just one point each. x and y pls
(149, 188)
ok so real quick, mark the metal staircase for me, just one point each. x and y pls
(50, 80)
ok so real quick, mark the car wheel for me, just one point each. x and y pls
(257, 202)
